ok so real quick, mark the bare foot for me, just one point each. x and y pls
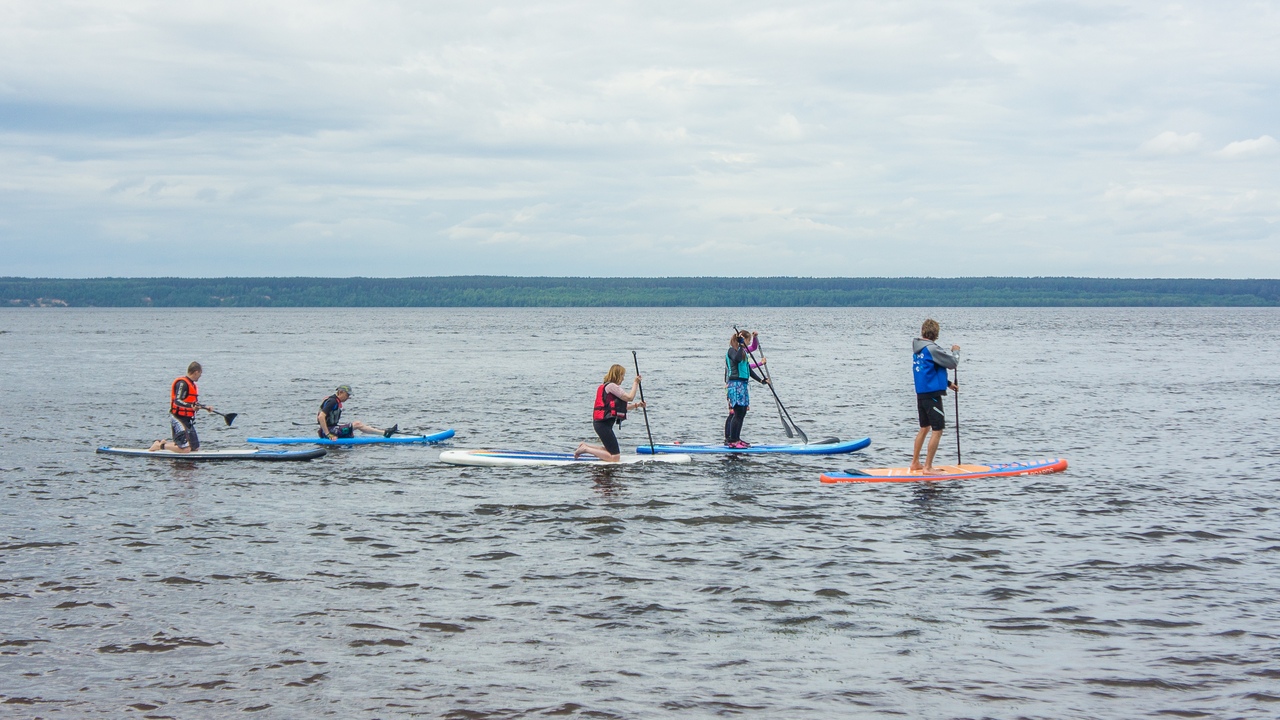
(579, 451)
(157, 445)
(915, 467)
(930, 470)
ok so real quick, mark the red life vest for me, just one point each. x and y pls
(193, 397)
(609, 406)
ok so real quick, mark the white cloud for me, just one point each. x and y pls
(1265, 145)
(1171, 143)
(438, 132)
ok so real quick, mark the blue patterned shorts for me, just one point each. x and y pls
(736, 391)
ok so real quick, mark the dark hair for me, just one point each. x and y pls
(194, 367)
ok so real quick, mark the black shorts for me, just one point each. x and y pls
(604, 431)
(342, 431)
(929, 407)
(184, 432)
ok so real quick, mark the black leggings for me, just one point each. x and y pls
(604, 431)
(733, 424)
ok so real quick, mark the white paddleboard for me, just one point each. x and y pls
(249, 454)
(523, 458)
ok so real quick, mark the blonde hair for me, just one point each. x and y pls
(929, 330)
(615, 374)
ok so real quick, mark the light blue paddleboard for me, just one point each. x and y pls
(361, 440)
(823, 448)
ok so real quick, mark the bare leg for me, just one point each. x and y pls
(915, 451)
(364, 428)
(934, 439)
(599, 452)
(167, 446)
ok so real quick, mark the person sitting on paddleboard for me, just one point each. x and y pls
(737, 370)
(184, 401)
(330, 417)
(929, 365)
(612, 404)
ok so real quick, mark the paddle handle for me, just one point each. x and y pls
(643, 406)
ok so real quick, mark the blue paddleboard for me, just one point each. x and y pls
(362, 440)
(824, 448)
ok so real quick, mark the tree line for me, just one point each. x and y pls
(504, 291)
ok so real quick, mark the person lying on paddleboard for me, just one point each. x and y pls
(330, 418)
(929, 366)
(184, 401)
(737, 370)
(612, 404)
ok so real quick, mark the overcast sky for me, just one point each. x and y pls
(1131, 139)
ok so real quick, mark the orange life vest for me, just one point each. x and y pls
(609, 406)
(193, 397)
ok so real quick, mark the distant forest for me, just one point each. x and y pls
(497, 291)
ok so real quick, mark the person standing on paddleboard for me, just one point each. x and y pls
(184, 401)
(330, 418)
(737, 370)
(612, 404)
(929, 367)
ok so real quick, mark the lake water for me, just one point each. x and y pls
(378, 583)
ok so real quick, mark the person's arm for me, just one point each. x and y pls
(755, 343)
(323, 418)
(180, 396)
(943, 358)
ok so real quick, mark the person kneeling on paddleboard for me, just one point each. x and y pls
(737, 370)
(330, 418)
(929, 366)
(611, 407)
(184, 401)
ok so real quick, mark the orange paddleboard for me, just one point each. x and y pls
(947, 472)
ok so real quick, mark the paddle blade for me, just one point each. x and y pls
(230, 418)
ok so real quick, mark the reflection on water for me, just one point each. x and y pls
(377, 582)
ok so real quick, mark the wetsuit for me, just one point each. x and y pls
(184, 400)
(737, 371)
(929, 367)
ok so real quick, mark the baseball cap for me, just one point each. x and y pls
(345, 389)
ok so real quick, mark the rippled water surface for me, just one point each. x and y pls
(378, 583)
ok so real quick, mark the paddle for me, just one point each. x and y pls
(781, 408)
(643, 406)
(957, 383)
(228, 417)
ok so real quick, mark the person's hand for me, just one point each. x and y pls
(955, 348)
(953, 386)
(641, 404)
(207, 409)
(332, 436)
(637, 378)
(754, 335)
(763, 360)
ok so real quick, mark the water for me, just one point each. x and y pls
(377, 583)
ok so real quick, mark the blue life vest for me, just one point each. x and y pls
(930, 377)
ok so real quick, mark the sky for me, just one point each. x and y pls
(655, 138)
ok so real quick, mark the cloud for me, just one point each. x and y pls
(739, 137)
(1258, 147)
(1171, 143)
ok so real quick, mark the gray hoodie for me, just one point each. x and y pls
(940, 356)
